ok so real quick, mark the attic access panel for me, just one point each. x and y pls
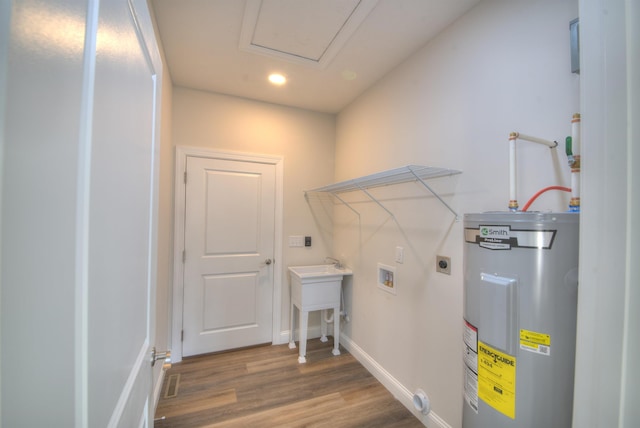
(309, 32)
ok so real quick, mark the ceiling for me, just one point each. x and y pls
(329, 50)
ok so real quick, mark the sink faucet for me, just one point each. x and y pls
(336, 262)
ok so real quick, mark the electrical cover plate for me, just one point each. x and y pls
(443, 264)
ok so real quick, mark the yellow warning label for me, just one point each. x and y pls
(534, 341)
(497, 379)
(535, 337)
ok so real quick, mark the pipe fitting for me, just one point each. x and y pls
(421, 402)
(575, 166)
(574, 205)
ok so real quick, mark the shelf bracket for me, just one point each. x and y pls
(433, 193)
(345, 203)
(335, 195)
(375, 200)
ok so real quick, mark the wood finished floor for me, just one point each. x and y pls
(266, 387)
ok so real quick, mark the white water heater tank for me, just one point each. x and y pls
(520, 302)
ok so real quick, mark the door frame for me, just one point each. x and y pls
(182, 153)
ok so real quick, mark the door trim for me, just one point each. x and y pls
(182, 153)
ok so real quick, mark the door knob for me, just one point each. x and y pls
(157, 356)
(267, 262)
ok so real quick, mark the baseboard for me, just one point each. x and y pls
(157, 389)
(399, 391)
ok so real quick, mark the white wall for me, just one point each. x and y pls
(304, 139)
(504, 66)
(607, 389)
(5, 13)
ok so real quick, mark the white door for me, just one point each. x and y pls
(121, 215)
(229, 250)
(79, 213)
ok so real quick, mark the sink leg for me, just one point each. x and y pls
(323, 326)
(292, 343)
(304, 318)
(336, 331)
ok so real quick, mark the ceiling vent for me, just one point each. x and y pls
(308, 32)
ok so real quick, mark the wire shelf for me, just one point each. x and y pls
(400, 175)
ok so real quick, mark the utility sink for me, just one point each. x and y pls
(318, 271)
(314, 288)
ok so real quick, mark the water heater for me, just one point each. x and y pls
(520, 299)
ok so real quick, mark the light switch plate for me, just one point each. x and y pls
(296, 241)
(399, 255)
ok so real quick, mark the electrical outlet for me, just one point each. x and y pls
(443, 264)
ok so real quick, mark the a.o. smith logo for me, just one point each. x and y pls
(502, 232)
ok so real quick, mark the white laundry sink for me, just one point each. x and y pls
(307, 273)
(314, 288)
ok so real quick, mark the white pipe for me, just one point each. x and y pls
(550, 144)
(575, 188)
(326, 318)
(574, 205)
(513, 198)
(513, 182)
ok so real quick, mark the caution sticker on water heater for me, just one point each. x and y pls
(471, 365)
(532, 341)
(497, 379)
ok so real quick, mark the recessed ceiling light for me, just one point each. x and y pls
(349, 75)
(277, 79)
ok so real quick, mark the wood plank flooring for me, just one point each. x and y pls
(266, 387)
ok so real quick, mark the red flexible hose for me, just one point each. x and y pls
(546, 189)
